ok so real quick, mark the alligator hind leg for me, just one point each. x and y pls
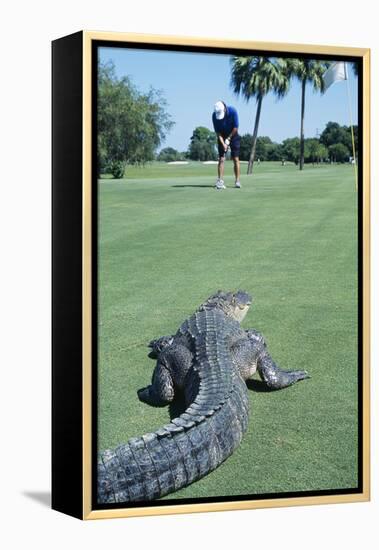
(161, 390)
(274, 377)
(270, 373)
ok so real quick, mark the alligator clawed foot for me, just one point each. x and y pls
(298, 375)
(148, 395)
(144, 395)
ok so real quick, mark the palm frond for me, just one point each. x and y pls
(256, 76)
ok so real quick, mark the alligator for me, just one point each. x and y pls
(208, 361)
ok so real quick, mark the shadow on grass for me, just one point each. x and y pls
(258, 386)
(177, 407)
(209, 186)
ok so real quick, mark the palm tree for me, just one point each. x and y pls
(355, 67)
(256, 77)
(306, 70)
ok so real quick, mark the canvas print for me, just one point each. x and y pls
(228, 312)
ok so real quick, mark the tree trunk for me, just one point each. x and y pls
(255, 135)
(301, 162)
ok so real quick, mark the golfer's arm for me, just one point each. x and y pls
(232, 133)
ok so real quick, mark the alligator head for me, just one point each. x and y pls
(233, 304)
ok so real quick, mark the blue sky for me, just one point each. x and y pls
(193, 82)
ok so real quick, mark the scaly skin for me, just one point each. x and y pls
(209, 358)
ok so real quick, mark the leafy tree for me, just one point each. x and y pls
(356, 138)
(265, 149)
(334, 133)
(117, 169)
(245, 147)
(314, 151)
(311, 150)
(261, 150)
(306, 71)
(203, 144)
(290, 149)
(255, 77)
(338, 152)
(322, 152)
(131, 124)
(169, 154)
(274, 151)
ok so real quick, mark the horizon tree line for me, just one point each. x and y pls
(333, 144)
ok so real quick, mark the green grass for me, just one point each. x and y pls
(168, 240)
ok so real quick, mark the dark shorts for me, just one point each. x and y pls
(235, 145)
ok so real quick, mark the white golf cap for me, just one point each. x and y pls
(219, 110)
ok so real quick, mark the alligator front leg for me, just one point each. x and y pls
(273, 376)
(161, 390)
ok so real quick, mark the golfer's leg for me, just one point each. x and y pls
(221, 165)
(237, 170)
(235, 148)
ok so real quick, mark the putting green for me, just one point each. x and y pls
(168, 239)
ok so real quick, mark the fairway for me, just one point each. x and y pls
(168, 239)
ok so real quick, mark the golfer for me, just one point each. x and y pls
(225, 124)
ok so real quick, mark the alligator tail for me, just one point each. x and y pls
(184, 451)
(193, 444)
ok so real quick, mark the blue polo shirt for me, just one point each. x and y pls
(225, 125)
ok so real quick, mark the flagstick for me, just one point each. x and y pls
(351, 128)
